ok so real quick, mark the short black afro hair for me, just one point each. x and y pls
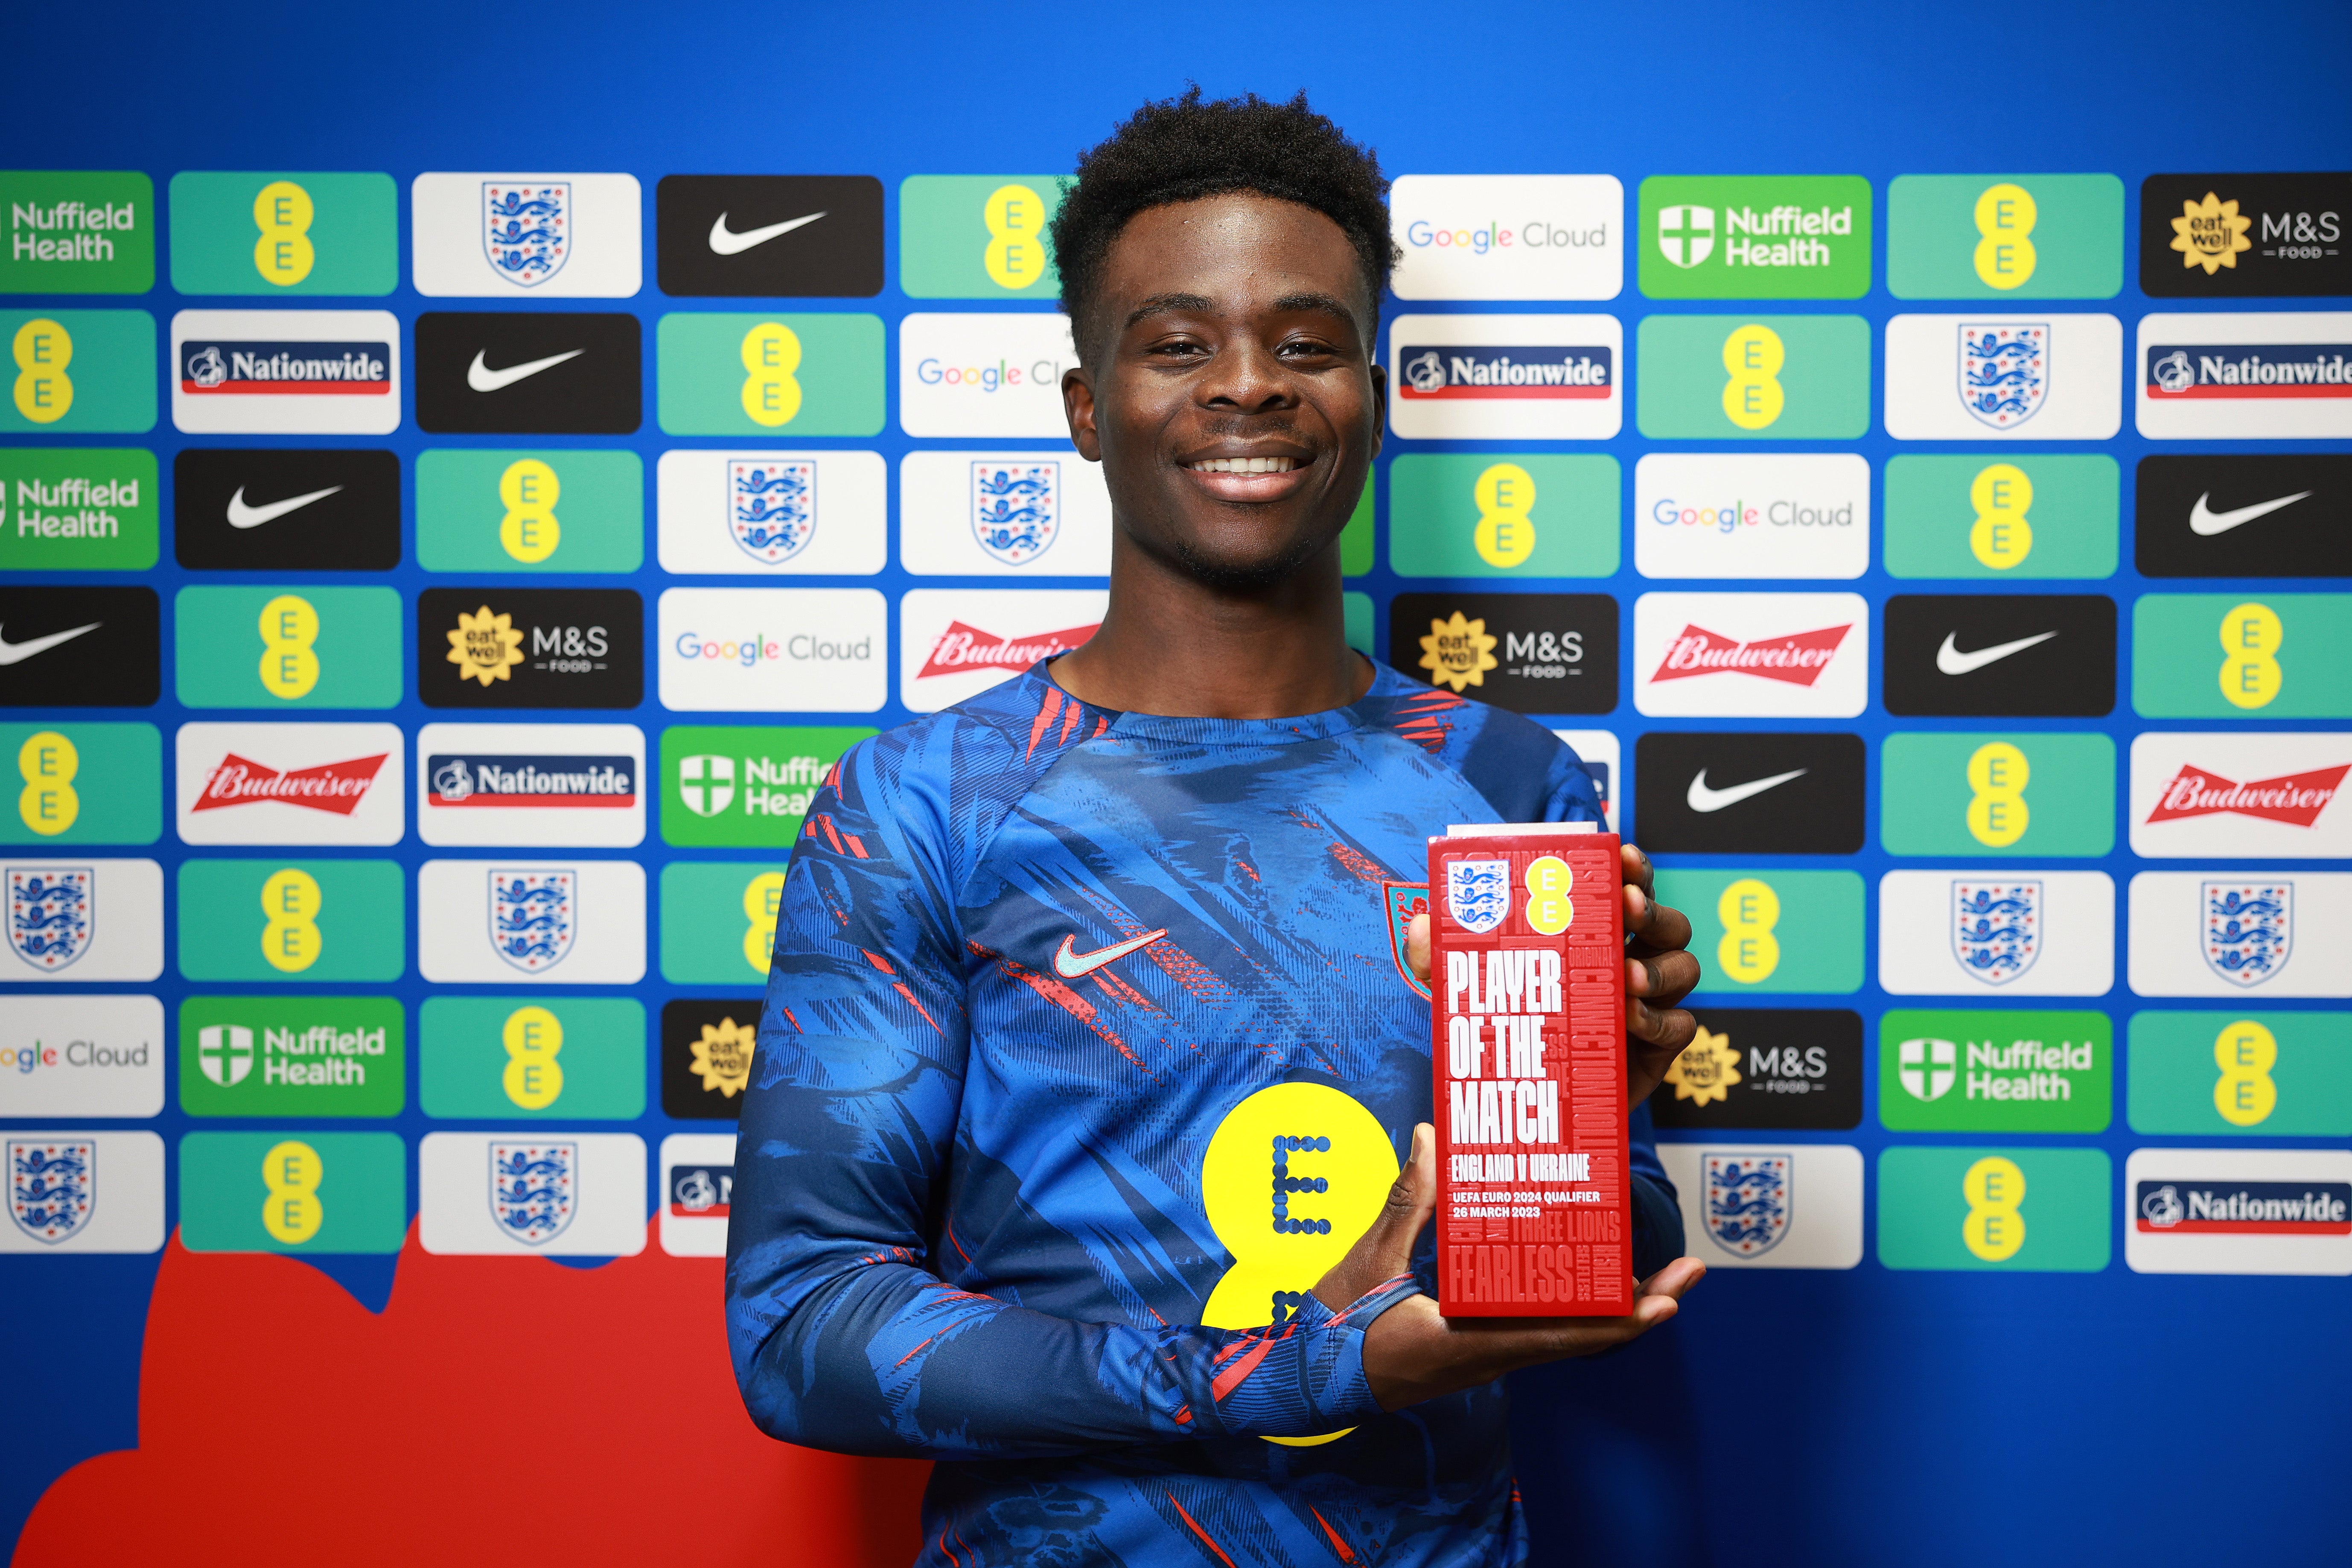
(1182, 149)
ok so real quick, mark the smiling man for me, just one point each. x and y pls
(1085, 1147)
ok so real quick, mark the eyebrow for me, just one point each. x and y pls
(1160, 304)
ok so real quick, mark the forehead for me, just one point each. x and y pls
(1239, 251)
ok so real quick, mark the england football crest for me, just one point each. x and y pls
(1017, 509)
(1402, 900)
(51, 914)
(52, 1185)
(771, 507)
(2004, 370)
(2249, 929)
(527, 230)
(1478, 893)
(534, 1189)
(535, 916)
(1749, 1200)
(1996, 928)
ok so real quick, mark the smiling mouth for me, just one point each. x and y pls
(1244, 465)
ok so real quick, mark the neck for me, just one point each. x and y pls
(1173, 646)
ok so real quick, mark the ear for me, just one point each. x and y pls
(1379, 405)
(1078, 408)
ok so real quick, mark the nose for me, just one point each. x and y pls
(1246, 377)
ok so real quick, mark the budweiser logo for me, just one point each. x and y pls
(2294, 798)
(1798, 659)
(330, 787)
(961, 648)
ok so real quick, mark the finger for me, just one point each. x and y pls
(1634, 868)
(1416, 947)
(1664, 1029)
(1664, 978)
(1660, 927)
(1385, 1249)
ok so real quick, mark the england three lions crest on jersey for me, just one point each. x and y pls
(534, 1189)
(527, 230)
(2249, 929)
(1996, 928)
(1747, 1202)
(1478, 893)
(1017, 509)
(52, 1185)
(771, 507)
(51, 914)
(535, 916)
(2004, 370)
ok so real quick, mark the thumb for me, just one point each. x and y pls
(1416, 947)
(1385, 1249)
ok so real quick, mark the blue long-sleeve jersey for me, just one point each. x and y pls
(1089, 1048)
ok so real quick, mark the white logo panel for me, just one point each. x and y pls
(1763, 514)
(2292, 934)
(1508, 237)
(773, 650)
(574, 237)
(82, 1192)
(290, 783)
(2036, 377)
(957, 643)
(81, 1056)
(996, 375)
(2026, 933)
(2243, 375)
(2238, 1211)
(698, 1187)
(1822, 1201)
(251, 372)
(1544, 378)
(506, 923)
(461, 1178)
(725, 513)
(2241, 796)
(1751, 655)
(487, 786)
(82, 919)
(1002, 514)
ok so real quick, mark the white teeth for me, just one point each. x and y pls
(1246, 465)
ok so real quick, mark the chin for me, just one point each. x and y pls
(1246, 564)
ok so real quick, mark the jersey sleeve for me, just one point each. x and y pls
(844, 1333)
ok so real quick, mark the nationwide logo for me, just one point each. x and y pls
(2248, 370)
(2296, 799)
(2249, 929)
(215, 368)
(2243, 1208)
(333, 787)
(1997, 929)
(1798, 659)
(962, 648)
(52, 1185)
(701, 1191)
(1454, 372)
(2004, 370)
(527, 230)
(1749, 1200)
(477, 780)
(52, 914)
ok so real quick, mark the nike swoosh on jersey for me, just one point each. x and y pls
(2206, 524)
(482, 378)
(243, 516)
(1952, 661)
(19, 652)
(1072, 966)
(725, 241)
(1701, 798)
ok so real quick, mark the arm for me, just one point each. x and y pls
(844, 1333)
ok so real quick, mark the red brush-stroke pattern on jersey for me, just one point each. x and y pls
(1060, 995)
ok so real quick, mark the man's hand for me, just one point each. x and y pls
(1659, 972)
(1410, 1353)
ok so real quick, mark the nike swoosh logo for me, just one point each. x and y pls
(1952, 661)
(19, 652)
(725, 241)
(2205, 524)
(1703, 799)
(1072, 966)
(243, 516)
(482, 378)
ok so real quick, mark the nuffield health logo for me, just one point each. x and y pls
(1478, 893)
(771, 507)
(534, 1189)
(1997, 929)
(2004, 370)
(535, 916)
(1015, 509)
(2249, 929)
(50, 914)
(527, 230)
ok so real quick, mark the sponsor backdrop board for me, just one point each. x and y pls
(446, 543)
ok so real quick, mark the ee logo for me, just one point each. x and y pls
(49, 802)
(1015, 216)
(1506, 535)
(533, 1078)
(2005, 215)
(290, 903)
(290, 664)
(772, 353)
(283, 255)
(292, 1171)
(1749, 951)
(529, 489)
(2245, 1094)
(1994, 1229)
(1326, 1165)
(762, 897)
(2000, 537)
(1548, 908)
(1997, 774)
(43, 348)
(2250, 637)
(1753, 356)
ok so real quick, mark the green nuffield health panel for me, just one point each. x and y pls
(1743, 378)
(536, 1057)
(2018, 1210)
(551, 510)
(293, 1191)
(2010, 793)
(1995, 1071)
(293, 920)
(743, 786)
(978, 237)
(1755, 236)
(1771, 931)
(743, 374)
(2026, 515)
(2005, 237)
(292, 1056)
(84, 783)
(294, 647)
(2257, 1074)
(2243, 656)
(272, 233)
(75, 371)
(79, 509)
(1504, 515)
(78, 231)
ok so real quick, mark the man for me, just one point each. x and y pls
(1088, 1011)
